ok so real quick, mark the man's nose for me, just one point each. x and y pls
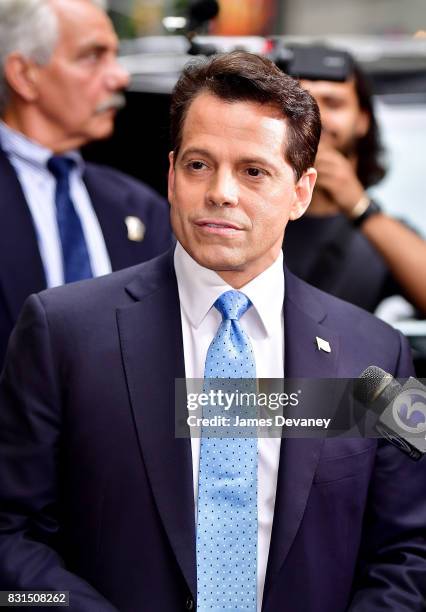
(117, 76)
(223, 189)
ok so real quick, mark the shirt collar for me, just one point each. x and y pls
(16, 144)
(266, 293)
(200, 287)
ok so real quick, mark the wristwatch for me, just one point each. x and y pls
(365, 208)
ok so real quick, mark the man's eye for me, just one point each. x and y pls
(335, 104)
(91, 56)
(255, 172)
(196, 165)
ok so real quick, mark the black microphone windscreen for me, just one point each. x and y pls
(201, 11)
(367, 385)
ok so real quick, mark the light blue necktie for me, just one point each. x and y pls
(227, 493)
(75, 256)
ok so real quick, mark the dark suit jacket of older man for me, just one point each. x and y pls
(96, 493)
(114, 196)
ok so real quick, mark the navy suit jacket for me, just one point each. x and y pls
(114, 196)
(96, 493)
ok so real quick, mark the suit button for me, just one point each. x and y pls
(189, 605)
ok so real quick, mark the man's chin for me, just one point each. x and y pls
(222, 265)
(219, 262)
(103, 129)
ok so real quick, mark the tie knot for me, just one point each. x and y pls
(60, 166)
(232, 304)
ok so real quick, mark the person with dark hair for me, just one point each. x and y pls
(100, 497)
(357, 252)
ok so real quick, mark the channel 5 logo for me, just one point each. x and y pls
(409, 411)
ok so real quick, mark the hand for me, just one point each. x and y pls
(337, 176)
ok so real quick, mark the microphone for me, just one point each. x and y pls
(200, 12)
(401, 409)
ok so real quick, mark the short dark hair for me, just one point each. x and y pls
(369, 150)
(246, 77)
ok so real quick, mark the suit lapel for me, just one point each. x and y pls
(151, 343)
(303, 321)
(21, 271)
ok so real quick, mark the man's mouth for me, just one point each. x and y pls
(218, 226)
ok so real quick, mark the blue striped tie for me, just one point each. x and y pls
(227, 493)
(75, 256)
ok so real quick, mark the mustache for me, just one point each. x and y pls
(347, 149)
(116, 101)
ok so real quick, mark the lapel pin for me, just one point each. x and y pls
(135, 229)
(323, 345)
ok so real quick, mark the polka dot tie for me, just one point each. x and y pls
(227, 493)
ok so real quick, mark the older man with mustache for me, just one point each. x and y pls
(61, 219)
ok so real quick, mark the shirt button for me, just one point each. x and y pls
(189, 605)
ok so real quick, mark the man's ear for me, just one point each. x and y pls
(303, 193)
(21, 76)
(171, 176)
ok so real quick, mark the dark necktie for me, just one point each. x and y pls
(75, 256)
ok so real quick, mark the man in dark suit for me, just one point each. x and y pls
(100, 498)
(60, 87)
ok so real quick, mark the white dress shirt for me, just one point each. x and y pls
(29, 160)
(263, 322)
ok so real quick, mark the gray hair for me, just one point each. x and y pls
(29, 27)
